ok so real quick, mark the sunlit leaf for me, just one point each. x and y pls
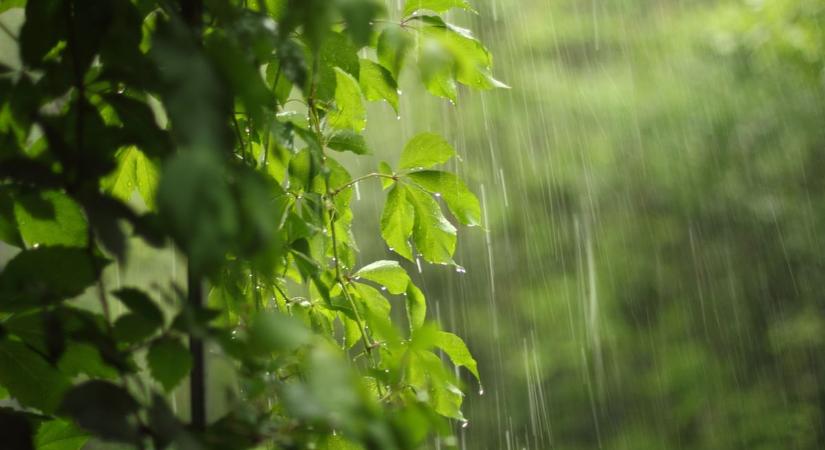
(434, 236)
(59, 435)
(51, 218)
(439, 6)
(349, 112)
(387, 273)
(425, 150)
(462, 203)
(397, 221)
(457, 350)
(377, 83)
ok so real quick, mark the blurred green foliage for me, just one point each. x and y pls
(653, 273)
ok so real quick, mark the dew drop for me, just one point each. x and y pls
(481, 390)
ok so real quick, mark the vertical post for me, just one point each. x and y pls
(197, 379)
(192, 13)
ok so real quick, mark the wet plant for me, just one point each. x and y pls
(216, 126)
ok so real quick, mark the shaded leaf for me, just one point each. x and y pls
(169, 361)
(103, 408)
(29, 378)
(457, 350)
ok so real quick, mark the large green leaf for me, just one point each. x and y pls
(102, 408)
(45, 275)
(438, 6)
(434, 236)
(462, 203)
(59, 435)
(196, 203)
(397, 221)
(348, 140)
(394, 44)
(425, 150)
(135, 171)
(29, 378)
(377, 83)
(387, 273)
(416, 307)
(349, 112)
(457, 350)
(169, 361)
(50, 218)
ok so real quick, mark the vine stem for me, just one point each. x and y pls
(316, 124)
(355, 181)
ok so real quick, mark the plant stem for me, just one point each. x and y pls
(338, 190)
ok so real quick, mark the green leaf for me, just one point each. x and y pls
(133, 328)
(358, 16)
(336, 52)
(196, 203)
(103, 408)
(387, 273)
(385, 169)
(393, 46)
(457, 350)
(45, 275)
(9, 4)
(462, 203)
(377, 83)
(348, 140)
(434, 236)
(397, 221)
(376, 304)
(416, 307)
(59, 435)
(330, 442)
(438, 6)
(134, 171)
(425, 150)
(271, 332)
(29, 378)
(50, 218)
(350, 112)
(169, 361)
(81, 358)
(140, 303)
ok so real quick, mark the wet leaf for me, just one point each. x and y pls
(425, 150)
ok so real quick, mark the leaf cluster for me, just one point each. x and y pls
(173, 123)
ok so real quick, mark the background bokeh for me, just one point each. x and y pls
(651, 271)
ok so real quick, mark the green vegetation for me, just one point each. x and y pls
(215, 127)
